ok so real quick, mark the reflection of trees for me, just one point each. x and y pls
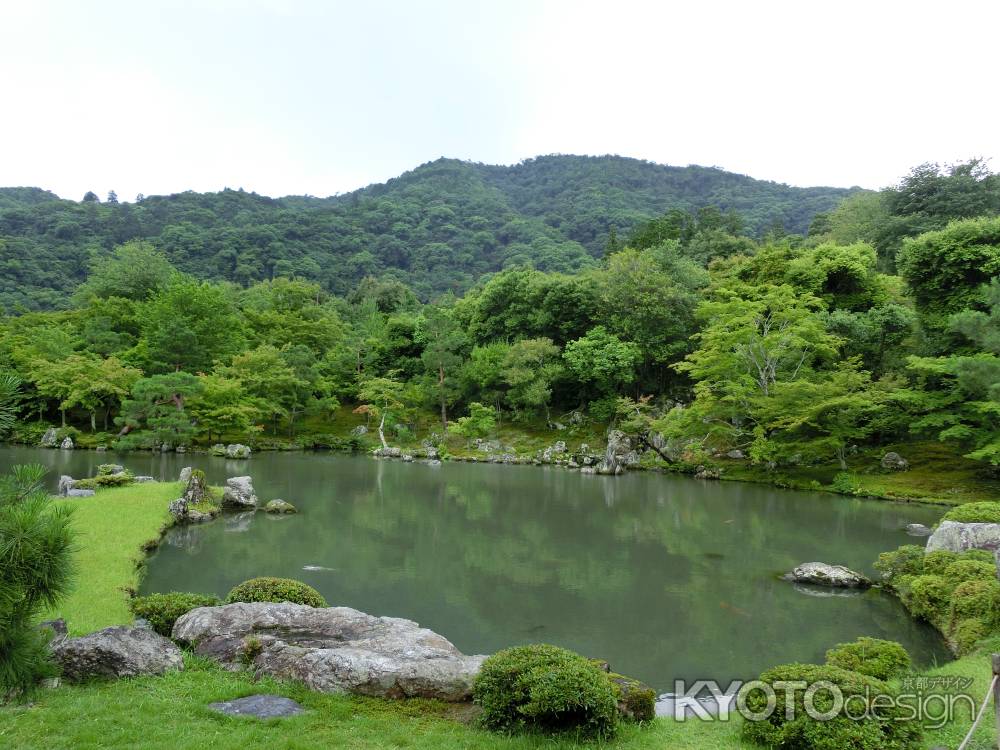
(672, 578)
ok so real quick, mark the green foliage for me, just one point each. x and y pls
(36, 567)
(886, 729)
(480, 422)
(267, 589)
(883, 660)
(977, 597)
(104, 480)
(908, 560)
(163, 610)
(929, 597)
(10, 388)
(985, 512)
(547, 689)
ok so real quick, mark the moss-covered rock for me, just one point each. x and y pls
(636, 700)
(267, 589)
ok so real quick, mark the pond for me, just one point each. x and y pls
(665, 577)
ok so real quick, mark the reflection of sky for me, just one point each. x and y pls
(665, 577)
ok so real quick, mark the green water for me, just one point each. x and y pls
(664, 577)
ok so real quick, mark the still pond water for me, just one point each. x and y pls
(665, 577)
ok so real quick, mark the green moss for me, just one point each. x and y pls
(908, 560)
(936, 562)
(267, 589)
(874, 657)
(929, 597)
(104, 480)
(968, 633)
(970, 570)
(981, 512)
(636, 700)
(976, 598)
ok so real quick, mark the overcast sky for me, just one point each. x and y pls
(325, 97)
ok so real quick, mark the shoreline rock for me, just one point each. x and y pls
(824, 574)
(955, 536)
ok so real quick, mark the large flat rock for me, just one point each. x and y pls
(332, 649)
(959, 537)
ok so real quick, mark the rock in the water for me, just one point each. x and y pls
(239, 494)
(117, 652)
(260, 706)
(49, 438)
(237, 450)
(66, 483)
(333, 649)
(67, 443)
(186, 474)
(434, 462)
(79, 493)
(707, 472)
(279, 506)
(918, 529)
(824, 574)
(959, 537)
(218, 450)
(110, 470)
(894, 462)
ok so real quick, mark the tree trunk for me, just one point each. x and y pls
(62, 412)
(444, 408)
(381, 432)
(93, 421)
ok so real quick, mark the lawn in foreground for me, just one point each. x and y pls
(113, 528)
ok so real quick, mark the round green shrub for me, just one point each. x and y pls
(874, 657)
(984, 512)
(968, 633)
(936, 562)
(885, 730)
(548, 689)
(163, 610)
(970, 570)
(908, 560)
(976, 598)
(268, 589)
(929, 597)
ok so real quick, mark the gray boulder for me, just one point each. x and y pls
(332, 649)
(239, 494)
(67, 443)
(892, 461)
(79, 493)
(49, 439)
(824, 574)
(143, 478)
(185, 474)
(259, 706)
(918, 529)
(959, 537)
(237, 450)
(736, 454)
(117, 652)
(66, 483)
(359, 431)
(616, 455)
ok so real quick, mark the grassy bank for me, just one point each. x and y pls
(113, 530)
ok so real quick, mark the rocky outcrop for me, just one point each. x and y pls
(824, 574)
(116, 652)
(959, 537)
(66, 483)
(49, 438)
(617, 455)
(185, 474)
(892, 461)
(333, 649)
(67, 443)
(196, 504)
(279, 506)
(238, 494)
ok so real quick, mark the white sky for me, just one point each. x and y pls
(325, 97)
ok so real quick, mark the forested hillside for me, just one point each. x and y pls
(878, 327)
(437, 228)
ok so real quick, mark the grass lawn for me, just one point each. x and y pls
(171, 711)
(113, 527)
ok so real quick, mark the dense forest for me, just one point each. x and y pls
(878, 323)
(438, 228)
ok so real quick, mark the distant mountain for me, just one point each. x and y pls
(438, 227)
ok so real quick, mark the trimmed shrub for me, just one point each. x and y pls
(874, 657)
(970, 570)
(929, 597)
(883, 731)
(936, 562)
(984, 512)
(907, 560)
(976, 598)
(968, 633)
(268, 589)
(104, 480)
(548, 689)
(163, 610)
